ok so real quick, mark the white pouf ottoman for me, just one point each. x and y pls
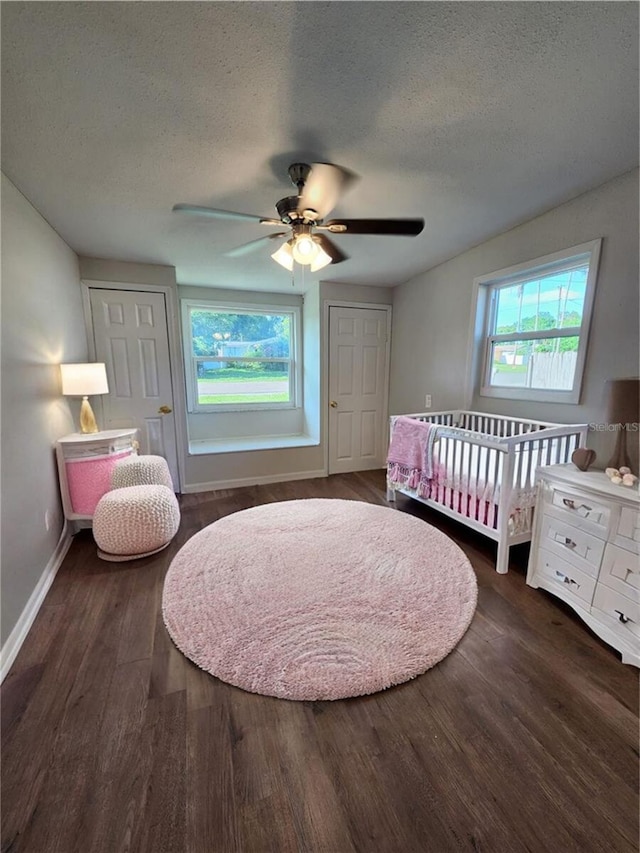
(135, 521)
(141, 471)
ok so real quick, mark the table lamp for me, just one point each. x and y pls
(83, 380)
(623, 398)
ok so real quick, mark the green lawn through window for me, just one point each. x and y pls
(221, 386)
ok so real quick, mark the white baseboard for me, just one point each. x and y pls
(17, 637)
(193, 488)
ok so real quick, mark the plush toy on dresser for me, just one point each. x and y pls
(621, 476)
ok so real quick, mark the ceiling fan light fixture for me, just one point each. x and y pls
(284, 256)
(305, 249)
(321, 260)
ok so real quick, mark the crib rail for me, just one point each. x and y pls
(441, 418)
(502, 426)
(493, 429)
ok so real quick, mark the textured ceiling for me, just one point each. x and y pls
(475, 116)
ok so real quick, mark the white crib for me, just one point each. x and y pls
(484, 471)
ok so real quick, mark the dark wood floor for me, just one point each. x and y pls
(523, 739)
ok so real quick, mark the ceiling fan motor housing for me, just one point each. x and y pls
(288, 211)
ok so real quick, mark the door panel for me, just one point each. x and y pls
(345, 370)
(358, 355)
(368, 434)
(130, 335)
(370, 379)
(121, 385)
(345, 434)
(149, 368)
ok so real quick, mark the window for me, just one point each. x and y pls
(240, 358)
(535, 324)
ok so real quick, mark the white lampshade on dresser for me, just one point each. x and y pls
(85, 380)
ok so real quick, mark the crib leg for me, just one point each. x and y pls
(502, 558)
(391, 495)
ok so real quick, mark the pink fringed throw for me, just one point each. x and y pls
(410, 458)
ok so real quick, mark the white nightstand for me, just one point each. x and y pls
(85, 462)
(585, 549)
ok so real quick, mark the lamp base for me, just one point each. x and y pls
(87, 418)
(620, 456)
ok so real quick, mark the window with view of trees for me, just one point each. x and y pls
(239, 358)
(537, 321)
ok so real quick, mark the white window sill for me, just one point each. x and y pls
(537, 395)
(239, 445)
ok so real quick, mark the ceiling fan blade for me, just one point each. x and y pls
(336, 254)
(214, 213)
(392, 227)
(323, 188)
(247, 248)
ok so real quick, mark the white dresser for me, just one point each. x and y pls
(586, 550)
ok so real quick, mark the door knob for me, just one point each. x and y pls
(333, 404)
(165, 410)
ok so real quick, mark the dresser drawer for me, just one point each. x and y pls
(578, 547)
(628, 529)
(621, 571)
(566, 581)
(581, 511)
(620, 612)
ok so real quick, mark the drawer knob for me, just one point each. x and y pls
(569, 542)
(622, 618)
(583, 509)
(566, 579)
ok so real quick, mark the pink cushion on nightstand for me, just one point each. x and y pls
(89, 479)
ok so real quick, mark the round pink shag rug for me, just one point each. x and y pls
(318, 599)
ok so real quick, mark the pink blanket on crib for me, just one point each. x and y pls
(471, 486)
(410, 457)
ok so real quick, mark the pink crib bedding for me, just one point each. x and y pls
(469, 482)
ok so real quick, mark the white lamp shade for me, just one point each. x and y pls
(306, 250)
(84, 380)
(284, 257)
(321, 260)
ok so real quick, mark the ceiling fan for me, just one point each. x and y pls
(319, 186)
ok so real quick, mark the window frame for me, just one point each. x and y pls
(487, 287)
(190, 361)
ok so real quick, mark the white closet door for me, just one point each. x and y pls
(358, 370)
(131, 338)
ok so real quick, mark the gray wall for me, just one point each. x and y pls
(100, 269)
(42, 326)
(432, 312)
